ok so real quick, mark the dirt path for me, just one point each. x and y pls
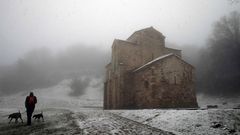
(102, 122)
(93, 122)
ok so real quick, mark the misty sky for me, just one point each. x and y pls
(56, 24)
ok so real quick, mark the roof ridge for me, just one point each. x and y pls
(151, 27)
(125, 41)
(154, 60)
(147, 29)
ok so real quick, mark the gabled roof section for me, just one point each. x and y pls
(153, 61)
(119, 40)
(173, 49)
(150, 32)
(158, 59)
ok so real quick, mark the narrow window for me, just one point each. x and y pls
(175, 79)
(146, 84)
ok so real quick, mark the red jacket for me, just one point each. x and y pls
(30, 104)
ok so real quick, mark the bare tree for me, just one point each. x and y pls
(234, 1)
(220, 65)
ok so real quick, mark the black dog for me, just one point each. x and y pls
(15, 116)
(38, 116)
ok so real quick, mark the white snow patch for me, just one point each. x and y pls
(222, 102)
(55, 97)
(185, 122)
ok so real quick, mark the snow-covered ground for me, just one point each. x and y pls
(56, 97)
(185, 122)
(57, 121)
(104, 122)
(66, 114)
(221, 102)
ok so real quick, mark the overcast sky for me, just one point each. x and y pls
(56, 24)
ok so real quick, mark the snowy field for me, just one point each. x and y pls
(65, 114)
(56, 97)
(57, 121)
(185, 122)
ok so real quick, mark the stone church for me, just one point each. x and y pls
(143, 74)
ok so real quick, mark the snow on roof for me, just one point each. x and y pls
(159, 58)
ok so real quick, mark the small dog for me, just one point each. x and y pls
(15, 116)
(38, 116)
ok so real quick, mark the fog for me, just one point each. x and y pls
(56, 24)
(41, 68)
(44, 42)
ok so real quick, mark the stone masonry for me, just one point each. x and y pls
(143, 73)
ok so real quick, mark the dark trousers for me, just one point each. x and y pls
(29, 115)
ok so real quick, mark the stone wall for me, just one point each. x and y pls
(128, 55)
(167, 84)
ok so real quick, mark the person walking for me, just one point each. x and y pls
(30, 102)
